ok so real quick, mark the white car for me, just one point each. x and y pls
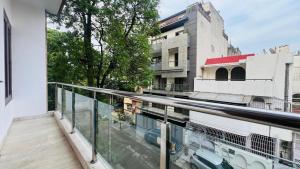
(205, 159)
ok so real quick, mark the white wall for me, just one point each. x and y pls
(249, 87)
(29, 67)
(29, 60)
(6, 114)
(270, 66)
(239, 127)
(209, 34)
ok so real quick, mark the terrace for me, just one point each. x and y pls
(105, 133)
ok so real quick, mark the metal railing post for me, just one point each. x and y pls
(164, 142)
(109, 130)
(73, 110)
(62, 102)
(56, 97)
(94, 130)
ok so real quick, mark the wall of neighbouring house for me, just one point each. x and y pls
(271, 66)
(210, 39)
(29, 63)
(296, 75)
(265, 76)
(239, 127)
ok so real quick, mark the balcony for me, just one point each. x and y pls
(169, 89)
(126, 131)
(131, 131)
(156, 47)
(156, 67)
(256, 87)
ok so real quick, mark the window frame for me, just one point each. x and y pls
(7, 58)
(176, 59)
(238, 74)
(221, 74)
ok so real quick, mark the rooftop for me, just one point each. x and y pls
(227, 59)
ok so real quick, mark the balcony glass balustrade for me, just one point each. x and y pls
(127, 131)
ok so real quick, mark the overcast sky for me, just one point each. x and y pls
(252, 25)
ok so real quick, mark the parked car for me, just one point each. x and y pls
(152, 136)
(205, 159)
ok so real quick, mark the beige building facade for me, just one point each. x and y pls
(187, 39)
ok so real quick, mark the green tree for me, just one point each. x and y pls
(121, 29)
(64, 51)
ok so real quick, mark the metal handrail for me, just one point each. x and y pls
(284, 120)
(237, 79)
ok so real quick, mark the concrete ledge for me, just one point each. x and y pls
(32, 117)
(81, 148)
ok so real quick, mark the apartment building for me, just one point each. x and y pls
(187, 39)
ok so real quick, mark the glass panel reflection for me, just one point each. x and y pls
(127, 138)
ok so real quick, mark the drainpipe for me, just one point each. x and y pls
(286, 87)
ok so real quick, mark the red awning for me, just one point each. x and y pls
(227, 59)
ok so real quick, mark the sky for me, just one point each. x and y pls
(252, 25)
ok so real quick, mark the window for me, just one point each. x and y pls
(259, 99)
(179, 33)
(296, 98)
(156, 60)
(7, 59)
(173, 57)
(159, 106)
(222, 74)
(176, 59)
(258, 102)
(238, 74)
(181, 111)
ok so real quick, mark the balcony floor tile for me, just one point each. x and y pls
(37, 144)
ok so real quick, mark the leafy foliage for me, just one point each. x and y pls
(64, 51)
(119, 30)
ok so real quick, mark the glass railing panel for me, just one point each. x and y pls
(68, 105)
(207, 142)
(59, 99)
(132, 139)
(83, 113)
(51, 97)
(103, 133)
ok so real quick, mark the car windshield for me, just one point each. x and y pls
(224, 165)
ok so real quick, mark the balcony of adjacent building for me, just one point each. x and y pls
(172, 64)
(170, 55)
(169, 87)
(179, 39)
(231, 84)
